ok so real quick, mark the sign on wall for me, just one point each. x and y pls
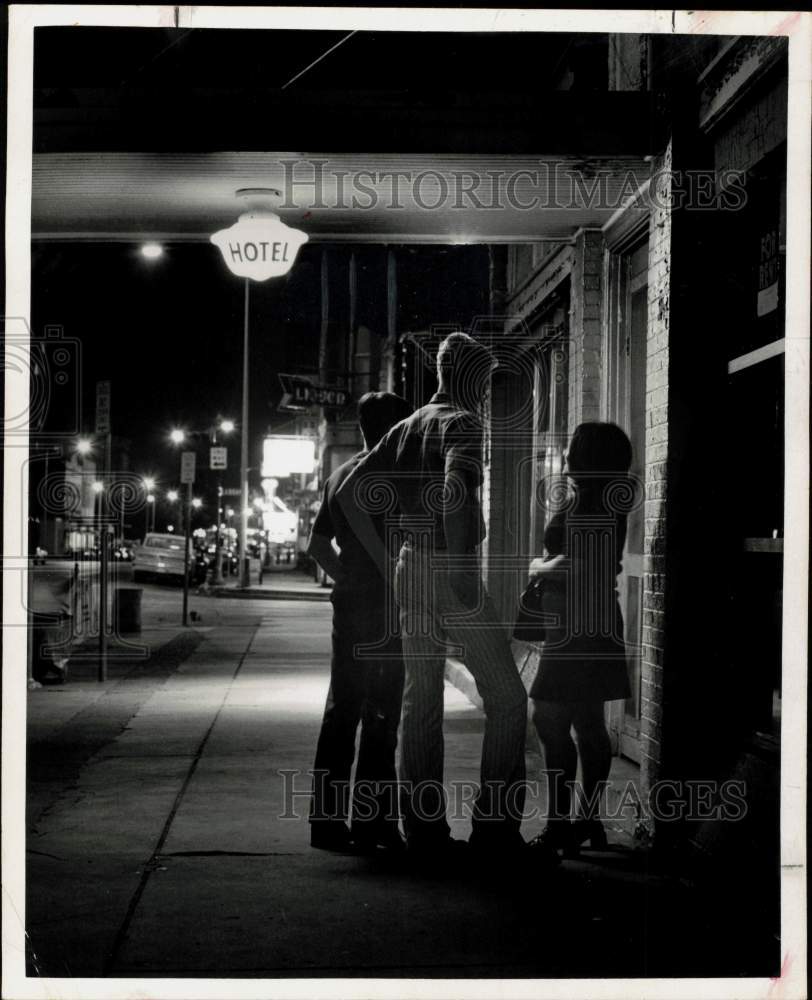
(301, 393)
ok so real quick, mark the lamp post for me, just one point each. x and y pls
(257, 247)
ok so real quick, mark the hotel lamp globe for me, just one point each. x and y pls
(259, 245)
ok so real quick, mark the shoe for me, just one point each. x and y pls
(328, 836)
(553, 838)
(584, 830)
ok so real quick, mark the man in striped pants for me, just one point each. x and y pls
(433, 461)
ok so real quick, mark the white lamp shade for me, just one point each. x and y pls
(259, 246)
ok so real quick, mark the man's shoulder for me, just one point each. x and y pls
(337, 476)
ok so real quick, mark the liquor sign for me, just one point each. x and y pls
(187, 467)
(218, 458)
(102, 407)
(300, 393)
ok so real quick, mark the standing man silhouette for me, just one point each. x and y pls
(366, 672)
(433, 460)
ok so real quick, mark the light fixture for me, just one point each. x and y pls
(226, 426)
(177, 436)
(84, 446)
(150, 498)
(151, 251)
(259, 245)
(97, 487)
(149, 483)
(197, 502)
(172, 496)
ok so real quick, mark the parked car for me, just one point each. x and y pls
(162, 556)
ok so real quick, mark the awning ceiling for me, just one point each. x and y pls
(420, 137)
(466, 199)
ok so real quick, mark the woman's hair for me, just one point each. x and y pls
(599, 449)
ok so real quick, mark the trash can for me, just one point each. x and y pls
(127, 609)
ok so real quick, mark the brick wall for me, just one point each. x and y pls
(754, 133)
(657, 413)
(586, 297)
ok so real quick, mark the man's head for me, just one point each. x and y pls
(378, 412)
(464, 369)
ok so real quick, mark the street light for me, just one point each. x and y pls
(226, 426)
(84, 446)
(177, 436)
(257, 247)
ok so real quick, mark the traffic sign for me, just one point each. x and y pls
(187, 467)
(218, 458)
(300, 393)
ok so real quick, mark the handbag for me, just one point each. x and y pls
(529, 625)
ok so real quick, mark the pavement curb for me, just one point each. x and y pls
(257, 593)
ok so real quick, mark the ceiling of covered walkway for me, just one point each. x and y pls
(398, 137)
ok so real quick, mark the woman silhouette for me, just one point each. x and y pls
(583, 659)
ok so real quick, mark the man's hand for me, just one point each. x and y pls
(466, 586)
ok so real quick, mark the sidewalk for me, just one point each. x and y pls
(278, 583)
(167, 835)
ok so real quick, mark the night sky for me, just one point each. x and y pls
(168, 333)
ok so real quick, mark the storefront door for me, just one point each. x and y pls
(626, 406)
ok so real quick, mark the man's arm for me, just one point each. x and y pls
(462, 516)
(320, 548)
(359, 492)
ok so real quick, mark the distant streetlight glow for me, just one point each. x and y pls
(152, 251)
(177, 436)
(150, 498)
(226, 426)
(197, 502)
(97, 487)
(84, 446)
(172, 496)
(149, 484)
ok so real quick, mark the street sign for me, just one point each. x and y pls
(232, 491)
(102, 407)
(300, 393)
(187, 467)
(218, 458)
